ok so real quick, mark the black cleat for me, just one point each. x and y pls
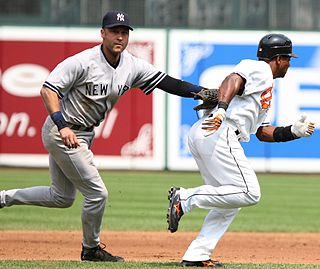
(207, 263)
(98, 254)
(2, 202)
(174, 211)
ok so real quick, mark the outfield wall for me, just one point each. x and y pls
(150, 132)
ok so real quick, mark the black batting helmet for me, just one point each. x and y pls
(273, 45)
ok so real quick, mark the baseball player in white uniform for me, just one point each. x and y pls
(78, 94)
(229, 181)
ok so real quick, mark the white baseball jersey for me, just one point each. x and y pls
(89, 86)
(249, 111)
(229, 180)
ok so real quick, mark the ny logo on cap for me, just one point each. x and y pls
(120, 17)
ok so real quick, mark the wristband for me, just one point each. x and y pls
(58, 120)
(223, 105)
(283, 134)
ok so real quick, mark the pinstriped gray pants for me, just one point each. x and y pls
(70, 170)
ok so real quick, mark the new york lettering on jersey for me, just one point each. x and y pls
(102, 89)
(97, 89)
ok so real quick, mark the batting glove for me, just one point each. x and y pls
(214, 121)
(302, 127)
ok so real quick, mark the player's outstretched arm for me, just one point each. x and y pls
(301, 128)
(178, 87)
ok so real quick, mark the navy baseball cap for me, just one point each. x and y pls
(116, 18)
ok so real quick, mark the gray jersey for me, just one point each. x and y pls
(89, 86)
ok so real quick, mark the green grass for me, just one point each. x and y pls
(138, 201)
(134, 265)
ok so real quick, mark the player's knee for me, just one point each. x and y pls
(101, 196)
(64, 202)
(254, 194)
(60, 201)
(104, 195)
(254, 198)
(97, 198)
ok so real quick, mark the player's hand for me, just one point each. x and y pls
(213, 122)
(209, 98)
(302, 127)
(69, 138)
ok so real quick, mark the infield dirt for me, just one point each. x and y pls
(290, 248)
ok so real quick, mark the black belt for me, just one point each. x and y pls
(80, 128)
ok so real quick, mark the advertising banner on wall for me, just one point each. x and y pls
(131, 135)
(206, 57)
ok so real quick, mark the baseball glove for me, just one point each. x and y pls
(209, 98)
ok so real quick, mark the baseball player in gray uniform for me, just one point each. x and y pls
(78, 94)
(229, 181)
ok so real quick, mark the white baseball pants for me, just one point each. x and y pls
(229, 184)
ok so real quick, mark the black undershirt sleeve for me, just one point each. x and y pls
(178, 87)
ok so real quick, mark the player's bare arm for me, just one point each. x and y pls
(50, 99)
(51, 102)
(265, 133)
(232, 85)
(301, 128)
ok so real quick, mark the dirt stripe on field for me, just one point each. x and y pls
(291, 248)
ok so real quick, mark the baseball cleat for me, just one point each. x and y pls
(98, 254)
(207, 263)
(174, 211)
(2, 202)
